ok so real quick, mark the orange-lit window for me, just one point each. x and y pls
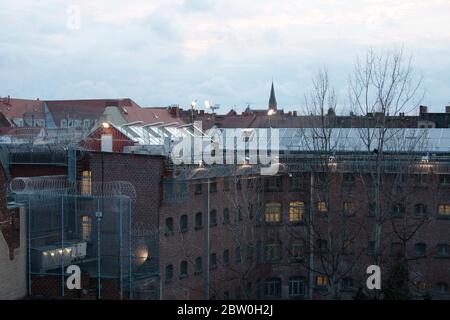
(273, 212)
(86, 227)
(296, 211)
(322, 207)
(444, 210)
(321, 281)
(86, 183)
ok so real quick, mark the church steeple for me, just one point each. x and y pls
(272, 99)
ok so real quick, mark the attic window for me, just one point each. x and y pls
(124, 110)
(156, 116)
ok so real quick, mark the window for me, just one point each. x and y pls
(349, 208)
(296, 251)
(213, 261)
(250, 211)
(226, 257)
(442, 288)
(273, 212)
(212, 186)
(226, 216)
(420, 179)
(198, 265)
(198, 188)
(273, 251)
(443, 250)
(322, 207)
(237, 253)
(444, 179)
(272, 288)
(183, 269)
(86, 183)
(184, 223)
(420, 210)
(238, 216)
(238, 184)
(444, 210)
(348, 177)
(250, 184)
(296, 211)
(321, 245)
(169, 226)
(295, 182)
(321, 281)
(213, 218)
(63, 123)
(250, 250)
(226, 184)
(272, 184)
(398, 210)
(169, 272)
(347, 284)
(87, 123)
(296, 287)
(86, 227)
(198, 220)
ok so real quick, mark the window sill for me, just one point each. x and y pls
(443, 217)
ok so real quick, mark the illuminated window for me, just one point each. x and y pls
(444, 210)
(321, 281)
(322, 207)
(296, 211)
(273, 212)
(86, 183)
(86, 227)
(349, 208)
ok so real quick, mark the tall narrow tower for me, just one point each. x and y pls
(272, 99)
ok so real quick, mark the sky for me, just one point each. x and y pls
(164, 52)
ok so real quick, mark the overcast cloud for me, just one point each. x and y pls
(162, 52)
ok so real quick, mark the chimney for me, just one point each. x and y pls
(447, 109)
(294, 113)
(423, 109)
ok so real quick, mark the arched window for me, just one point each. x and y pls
(183, 269)
(184, 223)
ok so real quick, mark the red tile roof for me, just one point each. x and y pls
(16, 108)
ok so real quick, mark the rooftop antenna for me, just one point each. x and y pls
(210, 105)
